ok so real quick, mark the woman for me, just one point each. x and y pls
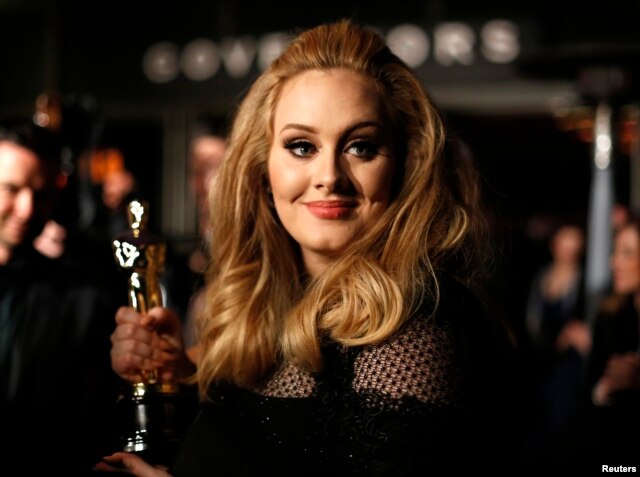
(615, 363)
(614, 368)
(555, 327)
(339, 333)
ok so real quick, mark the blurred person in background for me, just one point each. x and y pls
(614, 369)
(118, 188)
(206, 152)
(605, 428)
(56, 386)
(559, 337)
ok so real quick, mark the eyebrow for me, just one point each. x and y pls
(298, 126)
(360, 125)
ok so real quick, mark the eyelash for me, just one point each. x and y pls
(370, 149)
(291, 146)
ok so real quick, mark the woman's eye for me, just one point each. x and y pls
(364, 149)
(300, 148)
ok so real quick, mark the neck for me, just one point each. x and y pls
(315, 264)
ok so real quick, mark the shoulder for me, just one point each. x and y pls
(426, 359)
(30, 270)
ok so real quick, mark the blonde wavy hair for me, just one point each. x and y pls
(261, 308)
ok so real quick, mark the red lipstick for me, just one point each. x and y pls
(331, 209)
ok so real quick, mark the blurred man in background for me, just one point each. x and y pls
(56, 386)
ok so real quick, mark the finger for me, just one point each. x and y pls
(168, 343)
(130, 364)
(130, 331)
(134, 347)
(163, 320)
(125, 362)
(139, 467)
(127, 314)
(112, 463)
(104, 467)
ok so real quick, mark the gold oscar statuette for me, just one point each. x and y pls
(149, 408)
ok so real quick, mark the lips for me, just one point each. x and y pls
(331, 209)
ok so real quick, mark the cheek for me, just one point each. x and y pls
(286, 182)
(377, 187)
(9, 203)
(6, 204)
(629, 273)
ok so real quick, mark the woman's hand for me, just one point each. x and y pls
(148, 344)
(621, 373)
(575, 334)
(131, 464)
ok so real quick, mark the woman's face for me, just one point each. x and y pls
(625, 262)
(331, 164)
(567, 244)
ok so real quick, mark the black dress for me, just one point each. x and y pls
(433, 397)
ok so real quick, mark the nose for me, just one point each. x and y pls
(330, 174)
(23, 207)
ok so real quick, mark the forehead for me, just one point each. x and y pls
(19, 164)
(570, 233)
(208, 148)
(334, 92)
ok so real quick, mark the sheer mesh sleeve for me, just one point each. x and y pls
(418, 363)
(288, 382)
(421, 362)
